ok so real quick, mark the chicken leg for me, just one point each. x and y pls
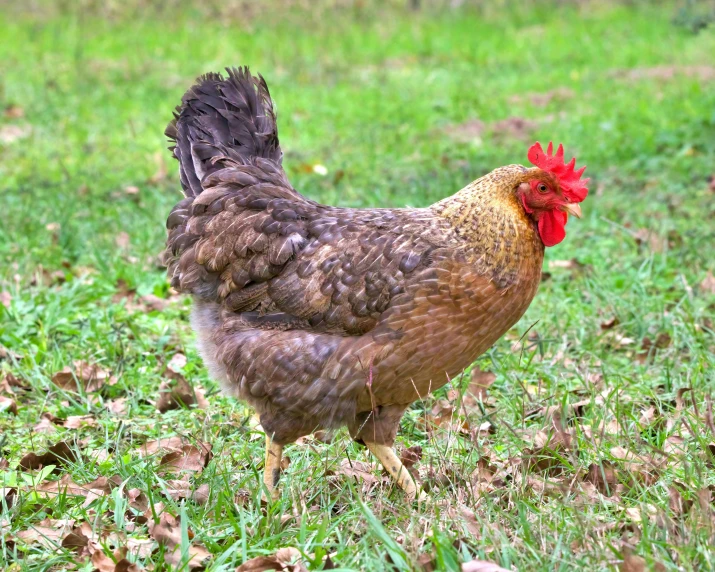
(272, 467)
(386, 455)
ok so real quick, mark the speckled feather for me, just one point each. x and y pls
(319, 316)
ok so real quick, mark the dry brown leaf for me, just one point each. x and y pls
(357, 469)
(122, 240)
(138, 500)
(482, 566)
(678, 506)
(167, 532)
(201, 495)
(632, 562)
(59, 454)
(48, 533)
(8, 405)
(710, 455)
(571, 264)
(14, 112)
(707, 285)
(442, 412)
(152, 303)
(47, 423)
(411, 456)
(141, 547)
(189, 458)
(12, 133)
(77, 421)
(480, 382)
(652, 239)
(177, 393)
(610, 323)
(284, 560)
(174, 443)
(176, 364)
(90, 377)
(117, 406)
(603, 476)
(467, 516)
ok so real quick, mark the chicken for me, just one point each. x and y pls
(322, 317)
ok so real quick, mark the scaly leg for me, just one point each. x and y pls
(394, 466)
(272, 468)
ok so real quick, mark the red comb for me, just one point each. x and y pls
(569, 179)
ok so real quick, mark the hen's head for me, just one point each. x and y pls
(552, 191)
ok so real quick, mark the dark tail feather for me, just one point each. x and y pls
(222, 119)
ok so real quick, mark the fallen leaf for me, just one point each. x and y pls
(8, 405)
(77, 421)
(101, 486)
(651, 239)
(480, 381)
(176, 364)
(5, 298)
(59, 454)
(117, 406)
(90, 377)
(459, 512)
(47, 424)
(603, 476)
(411, 456)
(571, 264)
(707, 285)
(177, 393)
(152, 303)
(138, 500)
(284, 560)
(131, 190)
(610, 323)
(14, 112)
(167, 532)
(174, 443)
(189, 458)
(122, 240)
(12, 133)
(631, 562)
(48, 533)
(201, 495)
(358, 470)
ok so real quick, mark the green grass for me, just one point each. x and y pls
(375, 97)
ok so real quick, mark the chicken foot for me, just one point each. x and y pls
(272, 467)
(386, 455)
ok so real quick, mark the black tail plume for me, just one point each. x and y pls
(222, 119)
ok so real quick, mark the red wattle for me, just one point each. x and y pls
(552, 227)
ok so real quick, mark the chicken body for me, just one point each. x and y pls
(322, 317)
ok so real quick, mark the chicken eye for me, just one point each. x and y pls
(542, 188)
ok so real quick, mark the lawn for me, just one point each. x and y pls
(594, 444)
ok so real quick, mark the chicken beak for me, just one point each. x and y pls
(572, 209)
